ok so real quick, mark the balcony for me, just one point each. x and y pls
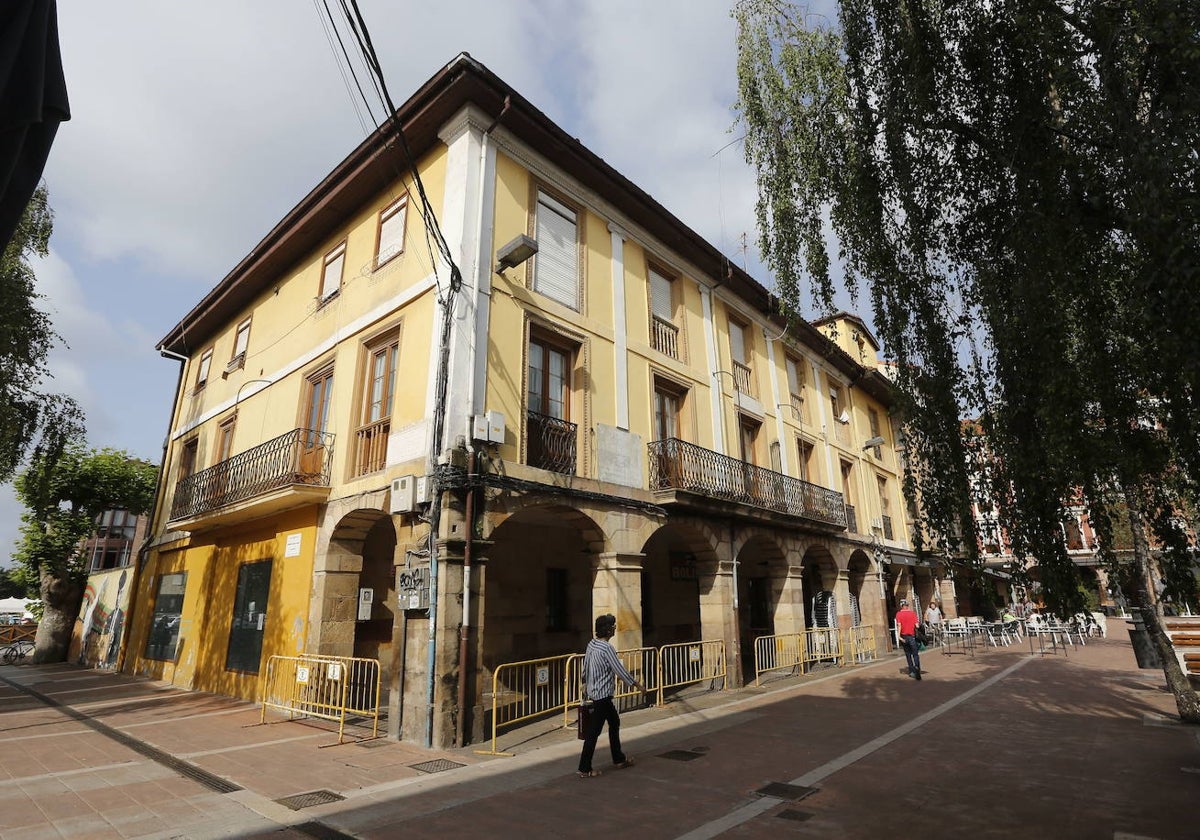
(280, 473)
(664, 336)
(679, 465)
(550, 443)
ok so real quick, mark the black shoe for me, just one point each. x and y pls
(917, 675)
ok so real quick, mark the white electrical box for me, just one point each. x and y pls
(495, 427)
(424, 486)
(403, 494)
(477, 427)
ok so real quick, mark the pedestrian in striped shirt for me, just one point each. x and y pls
(601, 667)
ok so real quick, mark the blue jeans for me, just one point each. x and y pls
(603, 711)
(911, 655)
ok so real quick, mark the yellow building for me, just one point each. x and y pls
(617, 424)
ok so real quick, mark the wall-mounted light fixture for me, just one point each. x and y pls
(515, 252)
(871, 443)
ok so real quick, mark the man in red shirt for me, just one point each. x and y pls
(906, 624)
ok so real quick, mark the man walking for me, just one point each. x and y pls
(600, 668)
(906, 625)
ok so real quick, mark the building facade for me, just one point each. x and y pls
(369, 458)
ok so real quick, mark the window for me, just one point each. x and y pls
(664, 334)
(391, 231)
(331, 273)
(557, 612)
(556, 266)
(873, 421)
(240, 341)
(667, 403)
(225, 439)
(187, 458)
(848, 495)
(839, 413)
(1074, 535)
(748, 439)
(316, 422)
(116, 524)
(807, 465)
(378, 392)
(885, 506)
(795, 375)
(737, 352)
(202, 370)
(550, 437)
(163, 641)
(249, 617)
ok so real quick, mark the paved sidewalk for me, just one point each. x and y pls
(995, 744)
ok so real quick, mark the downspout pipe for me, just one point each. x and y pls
(159, 492)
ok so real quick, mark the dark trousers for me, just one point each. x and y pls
(911, 655)
(603, 711)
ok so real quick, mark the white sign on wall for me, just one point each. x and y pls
(619, 456)
(365, 598)
(292, 547)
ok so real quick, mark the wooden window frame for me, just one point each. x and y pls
(397, 207)
(679, 393)
(371, 432)
(338, 252)
(241, 339)
(553, 341)
(668, 337)
(203, 370)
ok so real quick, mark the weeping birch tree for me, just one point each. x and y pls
(1016, 187)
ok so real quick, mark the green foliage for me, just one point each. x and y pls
(63, 492)
(26, 338)
(1016, 185)
(14, 584)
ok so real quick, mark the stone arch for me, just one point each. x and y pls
(819, 576)
(678, 557)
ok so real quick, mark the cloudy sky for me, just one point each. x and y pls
(196, 126)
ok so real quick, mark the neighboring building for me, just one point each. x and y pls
(111, 558)
(627, 429)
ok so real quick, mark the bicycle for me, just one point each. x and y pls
(17, 651)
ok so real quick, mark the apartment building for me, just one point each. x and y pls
(367, 458)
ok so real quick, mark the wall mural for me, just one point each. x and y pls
(96, 640)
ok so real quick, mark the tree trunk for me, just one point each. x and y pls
(1186, 699)
(61, 598)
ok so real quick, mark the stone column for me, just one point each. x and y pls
(618, 590)
(789, 613)
(719, 616)
(841, 597)
(335, 604)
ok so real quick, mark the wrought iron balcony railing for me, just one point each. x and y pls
(550, 443)
(679, 465)
(301, 456)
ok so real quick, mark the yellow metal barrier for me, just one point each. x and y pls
(860, 642)
(822, 644)
(325, 687)
(642, 663)
(775, 653)
(528, 689)
(691, 662)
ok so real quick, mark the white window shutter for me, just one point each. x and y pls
(556, 267)
(660, 296)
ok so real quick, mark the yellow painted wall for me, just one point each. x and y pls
(212, 570)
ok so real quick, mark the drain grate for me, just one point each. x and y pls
(681, 755)
(308, 800)
(436, 766)
(794, 815)
(782, 790)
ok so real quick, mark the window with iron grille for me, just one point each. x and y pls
(550, 435)
(379, 382)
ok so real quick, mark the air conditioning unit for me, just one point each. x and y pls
(404, 491)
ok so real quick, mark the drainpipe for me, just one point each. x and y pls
(464, 630)
(144, 548)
